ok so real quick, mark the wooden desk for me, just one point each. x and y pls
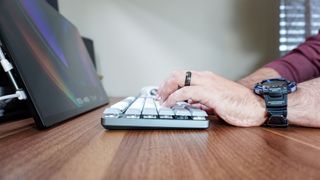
(82, 149)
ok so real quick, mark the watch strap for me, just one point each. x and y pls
(276, 105)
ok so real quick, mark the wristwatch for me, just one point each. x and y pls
(275, 93)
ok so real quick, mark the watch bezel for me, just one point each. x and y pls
(261, 89)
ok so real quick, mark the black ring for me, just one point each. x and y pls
(187, 81)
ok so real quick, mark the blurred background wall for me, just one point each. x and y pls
(139, 42)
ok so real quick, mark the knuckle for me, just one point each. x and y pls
(183, 91)
(172, 98)
(175, 73)
(171, 80)
(176, 77)
(177, 94)
(196, 73)
(208, 73)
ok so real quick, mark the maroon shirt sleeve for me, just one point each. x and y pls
(302, 63)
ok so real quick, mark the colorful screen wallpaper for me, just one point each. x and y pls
(51, 58)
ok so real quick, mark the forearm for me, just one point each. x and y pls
(258, 76)
(303, 105)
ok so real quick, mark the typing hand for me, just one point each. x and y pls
(233, 102)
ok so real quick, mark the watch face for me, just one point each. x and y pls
(269, 84)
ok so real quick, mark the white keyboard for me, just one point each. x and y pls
(144, 112)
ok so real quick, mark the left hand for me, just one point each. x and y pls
(233, 102)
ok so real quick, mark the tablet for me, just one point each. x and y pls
(51, 61)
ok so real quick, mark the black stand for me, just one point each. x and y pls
(11, 109)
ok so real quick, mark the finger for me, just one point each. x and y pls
(171, 84)
(177, 80)
(158, 94)
(207, 109)
(190, 101)
(200, 106)
(162, 88)
(185, 93)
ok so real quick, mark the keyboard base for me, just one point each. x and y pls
(124, 123)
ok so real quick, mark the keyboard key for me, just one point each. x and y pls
(135, 109)
(123, 105)
(164, 112)
(149, 109)
(196, 112)
(180, 111)
(111, 111)
(118, 108)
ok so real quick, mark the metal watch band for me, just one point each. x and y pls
(277, 109)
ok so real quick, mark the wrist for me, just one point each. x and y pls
(297, 107)
(249, 111)
(258, 76)
(262, 114)
(303, 105)
(295, 110)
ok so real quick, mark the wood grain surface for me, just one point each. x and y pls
(82, 149)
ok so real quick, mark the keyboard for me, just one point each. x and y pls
(145, 112)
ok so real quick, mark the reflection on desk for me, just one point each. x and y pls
(82, 149)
